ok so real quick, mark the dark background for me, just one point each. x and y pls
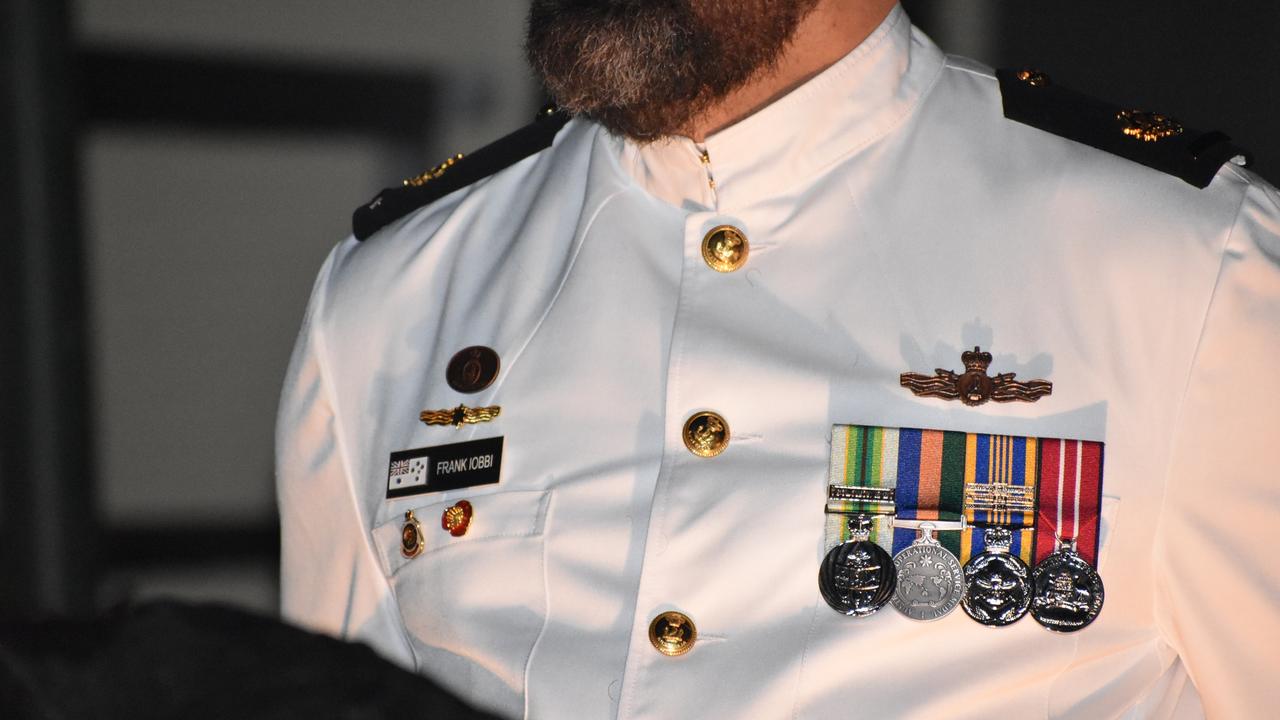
(172, 173)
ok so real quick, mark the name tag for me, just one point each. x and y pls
(444, 467)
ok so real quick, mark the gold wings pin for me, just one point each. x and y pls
(461, 415)
(974, 386)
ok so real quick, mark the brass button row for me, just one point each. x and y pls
(706, 434)
(725, 248)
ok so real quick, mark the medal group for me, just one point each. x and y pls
(931, 520)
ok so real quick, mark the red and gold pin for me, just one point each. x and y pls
(410, 536)
(457, 518)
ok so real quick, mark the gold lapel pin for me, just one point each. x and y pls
(974, 386)
(461, 415)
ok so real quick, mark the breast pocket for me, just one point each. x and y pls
(471, 592)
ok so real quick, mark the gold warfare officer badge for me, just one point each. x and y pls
(459, 416)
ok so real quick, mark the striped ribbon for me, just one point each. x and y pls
(1000, 489)
(1033, 486)
(930, 483)
(1070, 496)
(861, 457)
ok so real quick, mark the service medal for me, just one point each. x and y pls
(930, 581)
(997, 583)
(1068, 591)
(857, 577)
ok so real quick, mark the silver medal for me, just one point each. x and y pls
(1068, 591)
(930, 581)
(997, 584)
(857, 577)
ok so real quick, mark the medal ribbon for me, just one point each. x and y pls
(1070, 497)
(1040, 488)
(931, 476)
(1000, 489)
(862, 457)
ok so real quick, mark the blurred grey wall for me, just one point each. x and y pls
(202, 244)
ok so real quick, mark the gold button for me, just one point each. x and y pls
(672, 634)
(725, 249)
(706, 434)
(410, 536)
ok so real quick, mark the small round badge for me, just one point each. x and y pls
(472, 369)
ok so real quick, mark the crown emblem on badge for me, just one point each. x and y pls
(976, 360)
(974, 386)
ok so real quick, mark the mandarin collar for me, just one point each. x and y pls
(851, 104)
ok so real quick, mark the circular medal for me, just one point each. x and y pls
(997, 584)
(930, 581)
(857, 578)
(1068, 591)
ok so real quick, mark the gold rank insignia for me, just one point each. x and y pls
(974, 386)
(1147, 126)
(434, 173)
(461, 415)
(1033, 77)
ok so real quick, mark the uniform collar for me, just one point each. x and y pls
(842, 110)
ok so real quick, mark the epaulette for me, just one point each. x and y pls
(456, 173)
(1149, 138)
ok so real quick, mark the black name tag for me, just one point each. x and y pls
(444, 467)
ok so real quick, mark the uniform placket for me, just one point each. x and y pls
(674, 625)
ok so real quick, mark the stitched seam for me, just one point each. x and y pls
(564, 279)
(890, 126)
(1186, 389)
(983, 74)
(543, 513)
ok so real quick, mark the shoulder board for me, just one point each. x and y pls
(456, 173)
(1152, 139)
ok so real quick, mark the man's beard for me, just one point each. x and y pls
(646, 68)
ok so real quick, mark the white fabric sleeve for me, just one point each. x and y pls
(1218, 549)
(330, 580)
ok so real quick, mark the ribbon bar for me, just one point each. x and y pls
(1043, 489)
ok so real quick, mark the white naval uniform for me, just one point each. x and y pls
(895, 218)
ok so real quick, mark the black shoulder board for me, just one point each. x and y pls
(394, 203)
(1154, 140)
